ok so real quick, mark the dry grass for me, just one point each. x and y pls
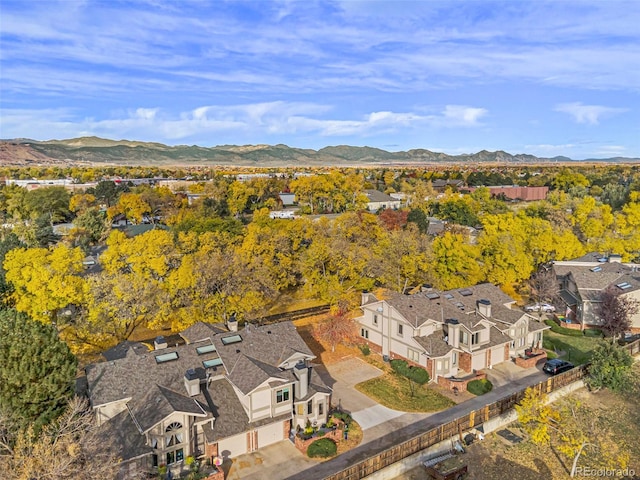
(324, 352)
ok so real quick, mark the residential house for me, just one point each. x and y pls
(582, 281)
(222, 393)
(450, 333)
(440, 185)
(379, 200)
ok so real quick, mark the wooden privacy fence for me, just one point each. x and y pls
(451, 429)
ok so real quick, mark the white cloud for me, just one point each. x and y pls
(589, 114)
(256, 119)
(463, 115)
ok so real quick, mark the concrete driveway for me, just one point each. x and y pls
(507, 372)
(346, 374)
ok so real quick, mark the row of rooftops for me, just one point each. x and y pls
(597, 272)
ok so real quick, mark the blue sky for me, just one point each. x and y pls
(556, 78)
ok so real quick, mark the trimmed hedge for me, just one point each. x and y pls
(323, 448)
(415, 374)
(479, 387)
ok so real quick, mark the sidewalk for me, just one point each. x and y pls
(405, 432)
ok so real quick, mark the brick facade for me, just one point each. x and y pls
(465, 361)
(537, 355)
(302, 445)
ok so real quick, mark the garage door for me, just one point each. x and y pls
(233, 446)
(478, 360)
(497, 355)
(270, 434)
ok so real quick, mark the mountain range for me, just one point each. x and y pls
(100, 151)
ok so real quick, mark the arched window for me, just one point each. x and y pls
(174, 436)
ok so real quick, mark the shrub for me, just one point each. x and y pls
(322, 448)
(551, 355)
(345, 417)
(365, 349)
(479, 387)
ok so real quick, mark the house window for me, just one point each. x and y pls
(521, 342)
(375, 319)
(454, 358)
(413, 355)
(282, 395)
(174, 436)
(300, 409)
(321, 409)
(176, 456)
(464, 337)
(400, 329)
(364, 333)
(310, 407)
(154, 460)
(475, 338)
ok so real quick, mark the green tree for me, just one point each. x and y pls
(38, 371)
(610, 368)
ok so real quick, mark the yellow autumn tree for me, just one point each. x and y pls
(45, 280)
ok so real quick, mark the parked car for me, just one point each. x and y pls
(536, 307)
(556, 366)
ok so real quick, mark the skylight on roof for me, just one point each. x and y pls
(166, 357)
(205, 349)
(624, 285)
(448, 296)
(432, 296)
(216, 362)
(465, 292)
(596, 269)
(460, 305)
(232, 339)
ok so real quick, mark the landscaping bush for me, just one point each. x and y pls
(551, 355)
(322, 448)
(345, 417)
(365, 349)
(479, 387)
(563, 331)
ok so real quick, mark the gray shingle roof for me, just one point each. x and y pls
(248, 373)
(160, 402)
(121, 437)
(202, 331)
(378, 196)
(272, 344)
(434, 344)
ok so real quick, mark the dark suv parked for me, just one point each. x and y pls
(556, 366)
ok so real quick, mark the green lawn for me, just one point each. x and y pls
(393, 391)
(577, 348)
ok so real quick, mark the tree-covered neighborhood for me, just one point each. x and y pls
(146, 319)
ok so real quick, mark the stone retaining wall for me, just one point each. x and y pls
(450, 383)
